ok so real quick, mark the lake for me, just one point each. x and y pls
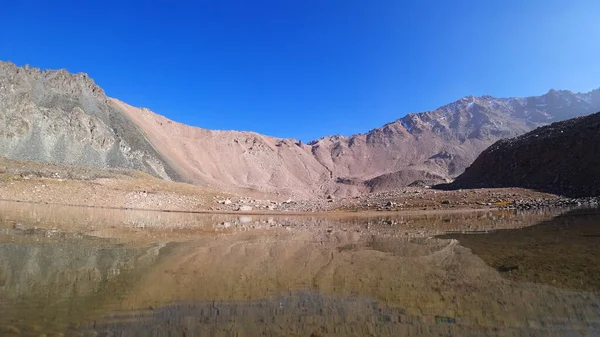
(69, 271)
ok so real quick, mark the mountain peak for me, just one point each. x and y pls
(60, 79)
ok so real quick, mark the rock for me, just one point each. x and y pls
(245, 219)
(507, 267)
(227, 202)
(245, 208)
(18, 226)
(446, 202)
(11, 331)
(390, 204)
(223, 225)
(444, 320)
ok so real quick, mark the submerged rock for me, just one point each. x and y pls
(508, 267)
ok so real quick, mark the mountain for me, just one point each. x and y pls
(561, 158)
(64, 118)
(58, 117)
(433, 147)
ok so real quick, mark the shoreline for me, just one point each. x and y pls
(331, 213)
(45, 184)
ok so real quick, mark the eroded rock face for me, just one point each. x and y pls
(562, 158)
(64, 118)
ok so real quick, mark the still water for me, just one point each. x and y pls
(67, 271)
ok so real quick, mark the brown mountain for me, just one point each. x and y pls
(64, 118)
(561, 158)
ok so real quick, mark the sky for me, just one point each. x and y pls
(308, 68)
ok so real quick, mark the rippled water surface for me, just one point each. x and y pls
(93, 272)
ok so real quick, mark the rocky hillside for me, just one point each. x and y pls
(445, 141)
(429, 147)
(64, 118)
(561, 158)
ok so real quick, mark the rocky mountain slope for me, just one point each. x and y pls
(65, 118)
(428, 147)
(561, 158)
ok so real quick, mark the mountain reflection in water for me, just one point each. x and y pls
(563, 251)
(76, 271)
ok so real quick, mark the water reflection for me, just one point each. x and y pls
(78, 271)
(563, 251)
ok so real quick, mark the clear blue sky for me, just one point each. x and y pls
(308, 68)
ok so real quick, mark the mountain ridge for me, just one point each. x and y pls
(560, 158)
(434, 145)
(467, 98)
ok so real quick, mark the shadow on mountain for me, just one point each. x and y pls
(560, 158)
